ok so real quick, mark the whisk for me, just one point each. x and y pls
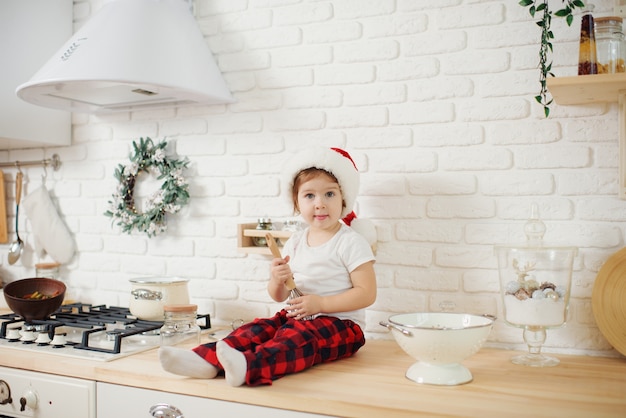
(290, 283)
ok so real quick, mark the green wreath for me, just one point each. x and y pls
(173, 194)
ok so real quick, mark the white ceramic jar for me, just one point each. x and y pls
(150, 294)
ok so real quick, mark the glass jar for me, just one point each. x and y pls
(48, 270)
(609, 45)
(180, 326)
(292, 225)
(535, 285)
(587, 60)
(263, 224)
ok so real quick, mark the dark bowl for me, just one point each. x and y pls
(31, 309)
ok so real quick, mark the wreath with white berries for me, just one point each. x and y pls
(148, 157)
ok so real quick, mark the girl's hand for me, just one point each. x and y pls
(303, 306)
(280, 271)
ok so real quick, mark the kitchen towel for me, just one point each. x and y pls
(51, 234)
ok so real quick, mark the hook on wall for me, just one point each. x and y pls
(54, 162)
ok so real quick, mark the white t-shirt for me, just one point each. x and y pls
(325, 270)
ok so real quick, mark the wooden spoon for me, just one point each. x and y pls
(271, 243)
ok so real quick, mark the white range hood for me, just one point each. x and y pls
(132, 55)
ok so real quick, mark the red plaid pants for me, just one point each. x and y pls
(277, 346)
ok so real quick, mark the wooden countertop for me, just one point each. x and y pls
(372, 383)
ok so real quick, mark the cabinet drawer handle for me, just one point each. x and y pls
(163, 410)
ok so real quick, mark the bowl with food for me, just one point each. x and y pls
(440, 342)
(34, 298)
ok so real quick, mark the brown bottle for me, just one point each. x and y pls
(587, 62)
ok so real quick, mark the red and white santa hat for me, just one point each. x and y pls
(340, 164)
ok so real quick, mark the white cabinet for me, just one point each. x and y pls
(30, 32)
(115, 401)
(27, 394)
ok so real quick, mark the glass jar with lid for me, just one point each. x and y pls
(180, 326)
(535, 285)
(609, 44)
(48, 270)
(266, 225)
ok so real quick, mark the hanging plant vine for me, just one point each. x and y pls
(541, 8)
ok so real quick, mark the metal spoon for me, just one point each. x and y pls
(18, 245)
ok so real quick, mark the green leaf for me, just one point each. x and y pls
(563, 12)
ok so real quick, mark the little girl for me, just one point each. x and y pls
(332, 265)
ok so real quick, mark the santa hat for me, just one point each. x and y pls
(340, 164)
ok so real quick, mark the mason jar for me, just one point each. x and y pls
(266, 225)
(180, 326)
(609, 45)
(48, 270)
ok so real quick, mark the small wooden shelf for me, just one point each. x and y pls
(246, 233)
(584, 89)
(597, 88)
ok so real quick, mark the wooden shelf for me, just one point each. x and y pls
(246, 233)
(584, 89)
(597, 88)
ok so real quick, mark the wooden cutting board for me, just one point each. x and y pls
(608, 300)
(4, 236)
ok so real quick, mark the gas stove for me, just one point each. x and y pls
(85, 331)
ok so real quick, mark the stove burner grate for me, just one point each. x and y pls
(115, 323)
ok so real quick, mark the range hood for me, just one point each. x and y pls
(132, 55)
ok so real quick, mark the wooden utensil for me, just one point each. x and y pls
(290, 283)
(4, 231)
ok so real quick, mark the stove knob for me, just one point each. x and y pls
(58, 340)
(28, 336)
(42, 338)
(5, 393)
(13, 334)
(28, 399)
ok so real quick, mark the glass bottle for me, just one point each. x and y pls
(263, 224)
(587, 62)
(180, 326)
(609, 44)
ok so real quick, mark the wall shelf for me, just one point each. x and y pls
(598, 88)
(246, 233)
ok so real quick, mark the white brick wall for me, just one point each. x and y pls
(436, 105)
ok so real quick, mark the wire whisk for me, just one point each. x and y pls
(290, 283)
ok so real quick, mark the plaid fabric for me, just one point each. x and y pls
(277, 346)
